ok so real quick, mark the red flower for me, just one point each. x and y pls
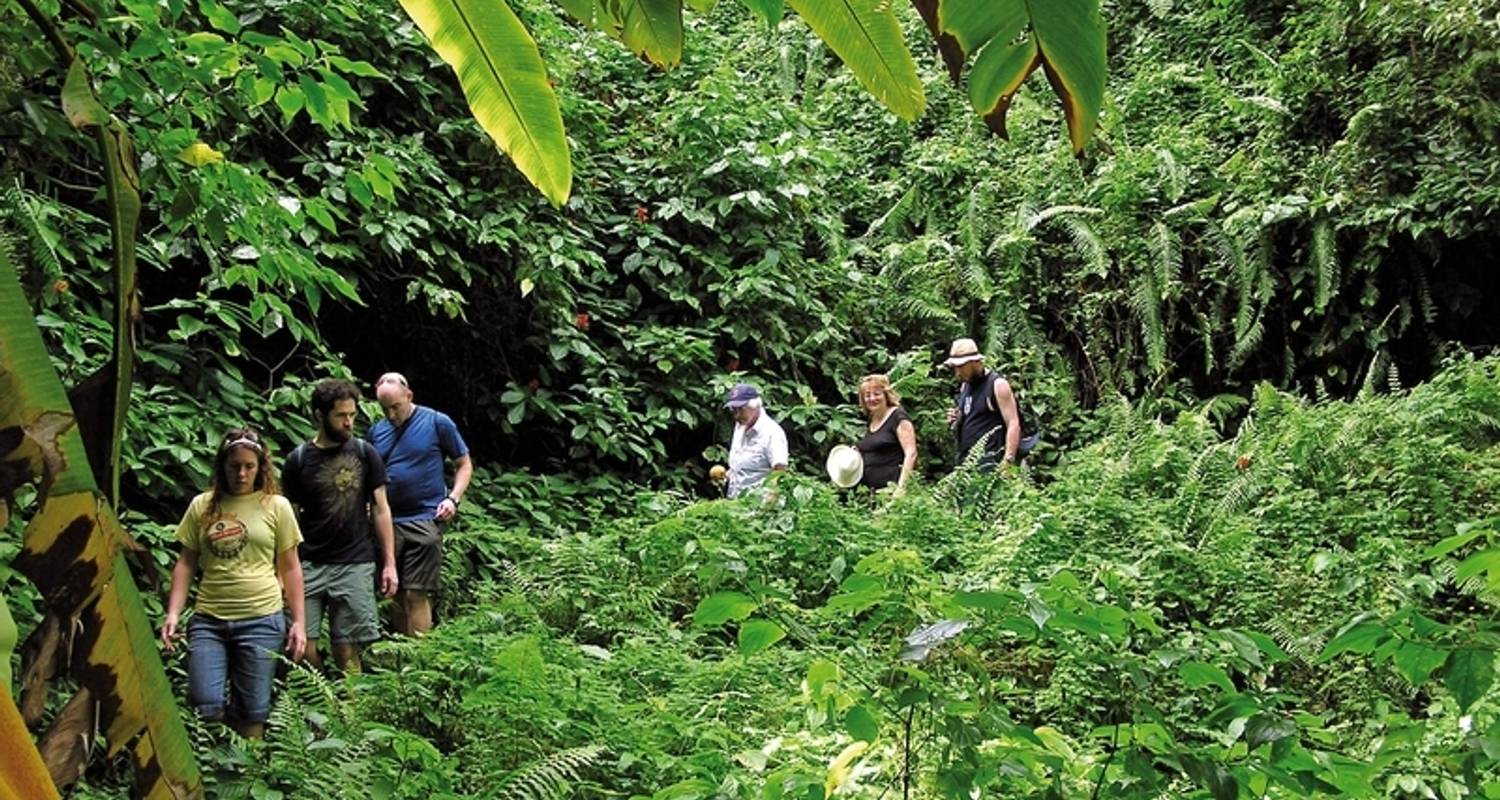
(1242, 463)
(641, 214)
(582, 320)
(534, 384)
(733, 365)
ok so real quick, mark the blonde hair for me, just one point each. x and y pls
(883, 383)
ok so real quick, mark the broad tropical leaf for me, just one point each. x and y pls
(769, 10)
(72, 551)
(102, 418)
(505, 83)
(867, 36)
(758, 634)
(653, 28)
(1065, 38)
(22, 774)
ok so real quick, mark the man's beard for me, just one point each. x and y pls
(336, 434)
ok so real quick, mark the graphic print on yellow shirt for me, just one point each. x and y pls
(237, 550)
(226, 537)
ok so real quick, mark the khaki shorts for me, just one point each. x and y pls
(346, 592)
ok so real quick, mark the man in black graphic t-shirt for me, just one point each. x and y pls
(337, 483)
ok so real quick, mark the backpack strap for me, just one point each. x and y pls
(294, 459)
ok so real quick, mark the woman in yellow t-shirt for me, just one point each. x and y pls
(243, 536)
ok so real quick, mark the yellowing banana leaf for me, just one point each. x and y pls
(72, 552)
(505, 83)
(1066, 38)
(867, 36)
(22, 774)
(7, 644)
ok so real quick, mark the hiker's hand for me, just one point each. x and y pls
(952, 416)
(169, 633)
(388, 581)
(296, 641)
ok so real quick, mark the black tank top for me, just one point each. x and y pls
(976, 417)
(882, 451)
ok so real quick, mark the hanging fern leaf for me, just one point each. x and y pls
(1246, 343)
(1145, 300)
(1166, 255)
(1090, 247)
(1325, 264)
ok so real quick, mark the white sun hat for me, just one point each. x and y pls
(962, 352)
(845, 466)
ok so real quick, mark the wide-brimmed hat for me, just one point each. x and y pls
(845, 466)
(741, 395)
(962, 352)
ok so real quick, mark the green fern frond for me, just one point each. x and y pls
(1246, 343)
(1088, 243)
(1145, 300)
(18, 209)
(1220, 406)
(1166, 255)
(816, 72)
(1033, 220)
(786, 72)
(1325, 264)
(549, 778)
(1424, 293)
(897, 215)
(1174, 176)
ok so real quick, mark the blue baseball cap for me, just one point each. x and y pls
(741, 395)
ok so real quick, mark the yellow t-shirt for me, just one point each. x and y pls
(237, 552)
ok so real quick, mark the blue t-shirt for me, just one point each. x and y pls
(414, 458)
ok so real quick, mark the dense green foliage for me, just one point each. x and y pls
(1256, 208)
(1301, 193)
(1179, 614)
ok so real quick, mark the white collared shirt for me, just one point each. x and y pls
(754, 452)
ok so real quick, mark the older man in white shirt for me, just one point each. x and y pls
(758, 446)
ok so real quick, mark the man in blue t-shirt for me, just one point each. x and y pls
(415, 442)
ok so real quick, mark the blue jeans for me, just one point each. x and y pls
(237, 653)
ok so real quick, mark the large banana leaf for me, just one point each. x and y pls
(22, 775)
(505, 83)
(72, 551)
(867, 36)
(102, 402)
(653, 28)
(1066, 39)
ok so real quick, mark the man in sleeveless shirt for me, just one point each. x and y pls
(416, 442)
(985, 403)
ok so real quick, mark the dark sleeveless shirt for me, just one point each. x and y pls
(882, 451)
(976, 417)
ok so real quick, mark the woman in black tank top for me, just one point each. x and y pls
(889, 446)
